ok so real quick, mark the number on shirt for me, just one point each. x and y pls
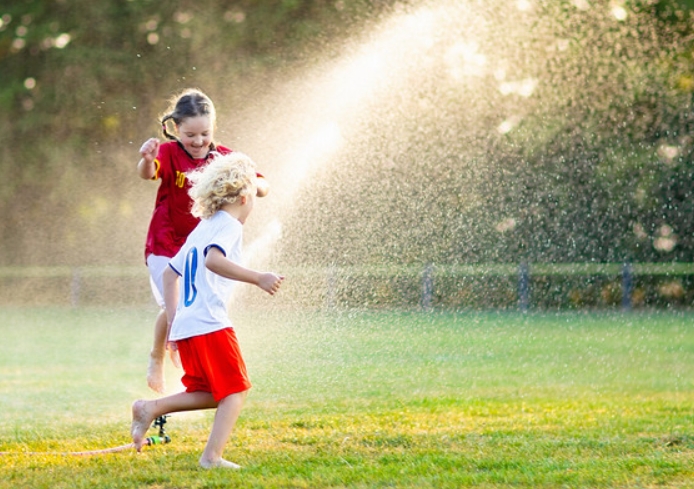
(190, 292)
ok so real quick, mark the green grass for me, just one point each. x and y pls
(364, 399)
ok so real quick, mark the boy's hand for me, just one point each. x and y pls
(149, 149)
(173, 353)
(270, 282)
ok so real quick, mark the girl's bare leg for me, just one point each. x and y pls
(155, 370)
(225, 418)
(145, 412)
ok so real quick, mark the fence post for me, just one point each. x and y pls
(627, 285)
(428, 287)
(330, 280)
(75, 286)
(524, 286)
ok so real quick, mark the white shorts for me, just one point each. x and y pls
(157, 265)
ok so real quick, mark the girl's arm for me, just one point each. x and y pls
(145, 167)
(216, 262)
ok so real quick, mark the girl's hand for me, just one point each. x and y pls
(149, 150)
(263, 187)
(270, 282)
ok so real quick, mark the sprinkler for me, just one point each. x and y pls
(162, 437)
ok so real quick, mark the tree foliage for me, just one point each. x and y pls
(598, 166)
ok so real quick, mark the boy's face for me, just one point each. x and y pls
(246, 207)
(195, 134)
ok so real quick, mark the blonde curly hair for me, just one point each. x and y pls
(222, 181)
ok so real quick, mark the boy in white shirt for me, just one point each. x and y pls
(223, 193)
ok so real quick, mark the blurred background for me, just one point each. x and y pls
(424, 133)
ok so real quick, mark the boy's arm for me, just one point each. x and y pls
(170, 283)
(216, 262)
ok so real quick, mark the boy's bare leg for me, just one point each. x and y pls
(225, 418)
(145, 412)
(155, 370)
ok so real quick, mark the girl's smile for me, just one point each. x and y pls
(196, 134)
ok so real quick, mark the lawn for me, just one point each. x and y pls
(363, 399)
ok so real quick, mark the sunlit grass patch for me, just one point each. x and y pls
(365, 400)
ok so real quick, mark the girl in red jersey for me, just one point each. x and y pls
(193, 116)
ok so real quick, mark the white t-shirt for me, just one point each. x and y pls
(204, 295)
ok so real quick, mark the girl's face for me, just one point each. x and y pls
(196, 135)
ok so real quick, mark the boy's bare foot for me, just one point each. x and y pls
(218, 464)
(155, 374)
(141, 422)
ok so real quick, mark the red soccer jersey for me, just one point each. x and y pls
(172, 221)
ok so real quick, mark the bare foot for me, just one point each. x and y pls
(141, 422)
(218, 464)
(155, 374)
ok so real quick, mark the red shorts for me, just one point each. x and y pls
(213, 363)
